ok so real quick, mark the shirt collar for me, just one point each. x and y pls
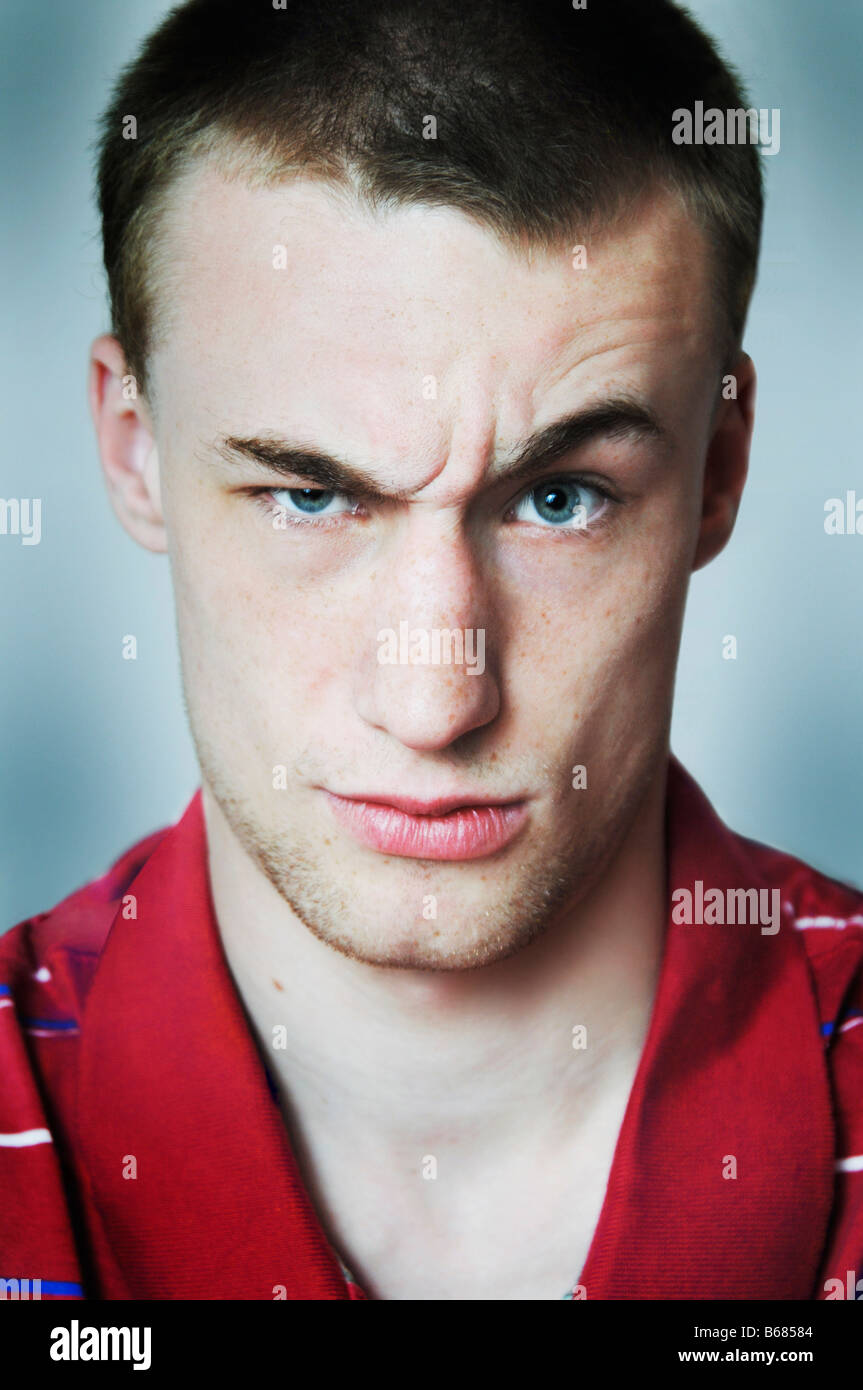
(171, 1077)
(732, 1069)
(722, 1182)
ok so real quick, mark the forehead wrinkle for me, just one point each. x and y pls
(628, 327)
(459, 453)
(609, 368)
(439, 461)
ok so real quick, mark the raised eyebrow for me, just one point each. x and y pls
(619, 417)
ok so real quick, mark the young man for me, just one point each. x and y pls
(426, 374)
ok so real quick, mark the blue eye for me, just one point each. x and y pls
(309, 501)
(562, 503)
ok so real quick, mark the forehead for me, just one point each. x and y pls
(290, 306)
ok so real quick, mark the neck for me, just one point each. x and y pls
(385, 1057)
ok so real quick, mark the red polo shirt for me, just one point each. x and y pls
(124, 1050)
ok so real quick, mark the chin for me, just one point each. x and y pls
(430, 948)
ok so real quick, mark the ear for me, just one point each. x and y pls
(127, 445)
(727, 463)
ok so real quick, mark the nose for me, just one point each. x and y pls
(431, 676)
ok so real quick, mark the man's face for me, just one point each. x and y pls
(416, 349)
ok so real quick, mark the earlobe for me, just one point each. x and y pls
(727, 461)
(127, 446)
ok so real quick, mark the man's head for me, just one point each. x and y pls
(343, 258)
(536, 117)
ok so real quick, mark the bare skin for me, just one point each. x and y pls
(406, 1036)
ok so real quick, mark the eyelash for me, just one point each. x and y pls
(263, 498)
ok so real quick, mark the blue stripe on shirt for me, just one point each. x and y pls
(59, 1025)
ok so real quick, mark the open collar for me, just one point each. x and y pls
(722, 1180)
(173, 1088)
(171, 1077)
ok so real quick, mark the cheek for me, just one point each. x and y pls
(607, 637)
(257, 652)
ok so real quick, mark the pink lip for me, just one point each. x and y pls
(444, 829)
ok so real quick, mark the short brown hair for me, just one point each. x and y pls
(548, 118)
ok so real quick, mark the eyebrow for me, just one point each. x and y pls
(619, 417)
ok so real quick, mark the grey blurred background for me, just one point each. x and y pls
(95, 748)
